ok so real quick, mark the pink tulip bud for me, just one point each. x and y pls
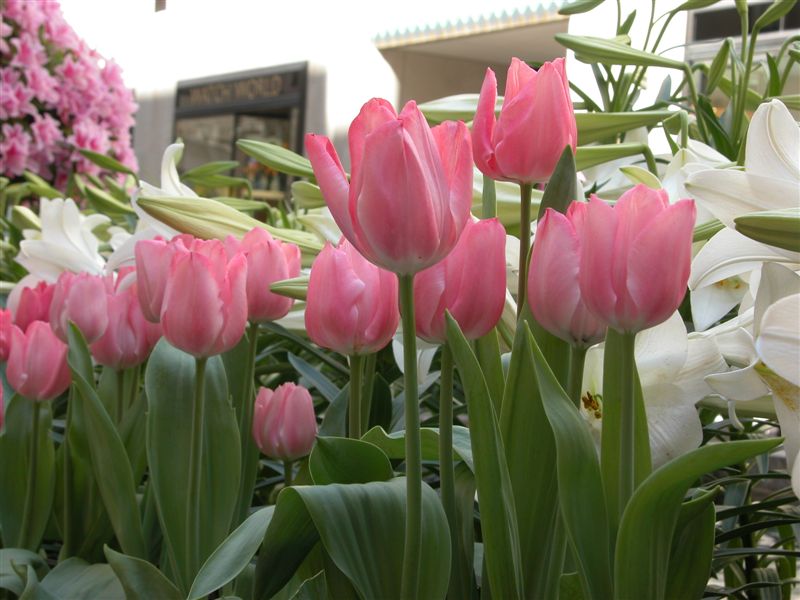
(129, 337)
(37, 365)
(553, 293)
(536, 123)
(81, 299)
(5, 334)
(268, 260)
(204, 307)
(31, 304)
(352, 304)
(636, 257)
(470, 283)
(153, 258)
(284, 424)
(410, 189)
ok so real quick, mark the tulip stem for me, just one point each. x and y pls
(66, 525)
(446, 469)
(577, 357)
(368, 387)
(120, 375)
(288, 466)
(249, 450)
(525, 190)
(195, 473)
(356, 391)
(413, 534)
(627, 474)
(30, 492)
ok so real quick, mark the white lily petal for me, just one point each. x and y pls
(729, 253)
(778, 342)
(661, 351)
(773, 143)
(787, 407)
(674, 426)
(712, 302)
(321, 222)
(703, 358)
(728, 193)
(296, 319)
(425, 354)
(170, 182)
(796, 475)
(775, 281)
(46, 258)
(739, 384)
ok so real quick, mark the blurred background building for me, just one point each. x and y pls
(213, 72)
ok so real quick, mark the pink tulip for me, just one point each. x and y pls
(153, 258)
(553, 293)
(129, 337)
(204, 308)
(470, 283)
(5, 334)
(37, 365)
(268, 260)
(352, 304)
(635, 258)
(32, 304)
(81, 299)
(536, 123)
(410, 189)
(284, 424)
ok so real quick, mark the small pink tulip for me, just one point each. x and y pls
(352, 304)
(268, 260)
(636, 257)
(536, 123)
(129, 337)
(153, 258)
(37, 365)
(204, 308)
(553, 295)
(284, 424)
(410, 189)
(81, 299)
(31, 304)
(470, 283)
(5, 334)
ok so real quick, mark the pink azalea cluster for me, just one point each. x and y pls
(58, 96)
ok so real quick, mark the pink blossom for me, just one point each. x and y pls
(14, 148)
(29, 51)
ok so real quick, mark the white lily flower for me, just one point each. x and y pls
(148, 227)
(671, 369)
(320, 222)
(65, 242)
(696, 156)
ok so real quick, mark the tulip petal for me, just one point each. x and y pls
(597, 253)
(372, 115)
(455, 151)
(483, 128)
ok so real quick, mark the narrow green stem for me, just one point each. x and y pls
(446, 467)
(25, 538)
(695, 101)
(488, 198)
(738, 126)
(66, 525)
(288, 467)
(627, 466)
(120, 375)
(524, 242)
(356, 389)
(195, 473)
(413, 534)
(249, 451)
(135, 373)
(577, 356)
(369, 384)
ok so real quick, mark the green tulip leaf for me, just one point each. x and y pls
(11, 558)
(362, 528)
(232, 555)
(140, 579)
(343, 460)
(580, 485)
(169, 383)
(691, 555)
(76, 579)
(393, 444)
(312, 588)
(646, 531)
(495, 495)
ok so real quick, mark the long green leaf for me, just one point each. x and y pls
(342, 460)
(362, 529)
(648, 524)
(233, 555)
(580, 486)
(393, 444)
(589, 156)
(112, 469)
(594, 49)
(690, 559)
(106, 162)
(140, 579)
(169, 383)
(78, 580)
(17, 557)
(495, 494)
(595, 127)
(530, 454)
(277, 157)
